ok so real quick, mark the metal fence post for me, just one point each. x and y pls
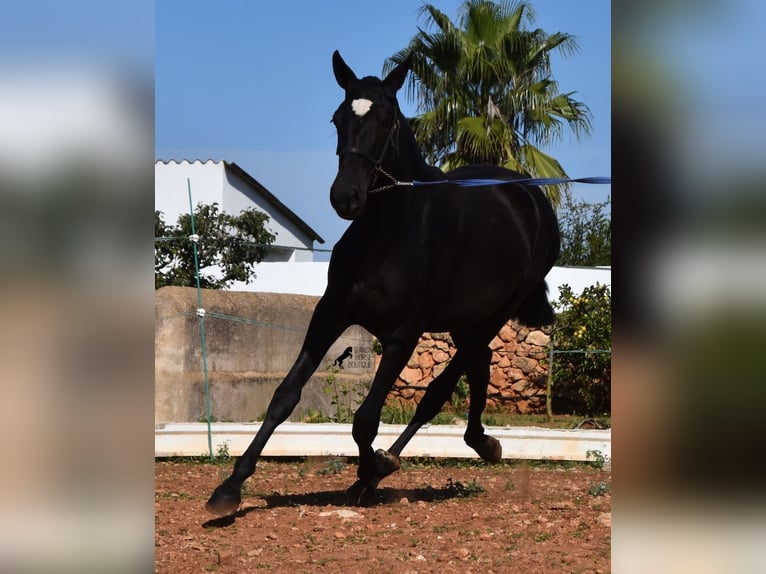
(549, 383)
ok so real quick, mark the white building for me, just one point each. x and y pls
(234, 190)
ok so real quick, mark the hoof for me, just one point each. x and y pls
(488, 448)
(224, 501)
(361, 493)
(385, 463)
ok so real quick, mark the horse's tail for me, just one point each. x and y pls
(535, 311)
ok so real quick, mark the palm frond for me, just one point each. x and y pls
(484, 87)
(540, 164)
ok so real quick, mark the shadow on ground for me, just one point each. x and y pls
(453, 489)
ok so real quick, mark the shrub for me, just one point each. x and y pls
(581, 382)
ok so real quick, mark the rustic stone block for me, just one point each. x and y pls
(526, 364)
(496, 344)
(537, 338)
(498, 378)
(411, 376)
(425, 361)
(520, 386)
(507, 333)
(441, 345)
(515, 374)
(442, 337)
(440, 356)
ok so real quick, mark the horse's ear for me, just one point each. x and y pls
(395, 78)
(343, 74)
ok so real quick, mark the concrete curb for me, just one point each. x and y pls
(328, 439)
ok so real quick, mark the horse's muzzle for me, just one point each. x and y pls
(347, 202)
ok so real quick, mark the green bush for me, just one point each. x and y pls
(581, 382)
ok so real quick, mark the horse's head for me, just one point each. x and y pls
(368, 124)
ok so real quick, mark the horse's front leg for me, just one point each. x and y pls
(373, 466)
(324, 329)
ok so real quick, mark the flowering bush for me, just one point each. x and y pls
(582, 381)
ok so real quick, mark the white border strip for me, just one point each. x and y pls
(328, 439)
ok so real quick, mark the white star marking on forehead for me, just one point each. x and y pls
(361, 106)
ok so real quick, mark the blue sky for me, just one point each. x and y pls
(252, 83)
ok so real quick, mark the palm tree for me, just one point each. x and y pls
(485, 92)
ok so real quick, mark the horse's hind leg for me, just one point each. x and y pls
(476, 360)
(438, 392)
(477, 370)
(323, 330)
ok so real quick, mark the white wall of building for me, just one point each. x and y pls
(171, 193)
(237, 197)
(211, 182)
(311, 278)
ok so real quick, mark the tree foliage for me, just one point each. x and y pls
(228, 248)
(586, 233)
(485, 90)
(582, 382)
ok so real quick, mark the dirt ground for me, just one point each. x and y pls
(429, 517)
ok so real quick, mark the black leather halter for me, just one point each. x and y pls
(392, 141)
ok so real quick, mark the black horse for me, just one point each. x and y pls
(436, 258)
(348, 353)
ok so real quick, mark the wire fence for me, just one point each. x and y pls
(202, 314)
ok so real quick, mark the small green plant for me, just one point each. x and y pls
(459, 399)
(314, 416)
(397, 412)
(346, 396)
(444, 418)
(222, 455)
(542, 536)
(596, 458)
(464, 490)
(599, 489)
(332, 466)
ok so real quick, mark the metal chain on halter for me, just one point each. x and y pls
(394, 182)
(390, 142)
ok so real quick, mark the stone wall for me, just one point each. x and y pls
(518, 369)
(248, 358)
(248, 354)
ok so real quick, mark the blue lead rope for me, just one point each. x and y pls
(526, 180)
